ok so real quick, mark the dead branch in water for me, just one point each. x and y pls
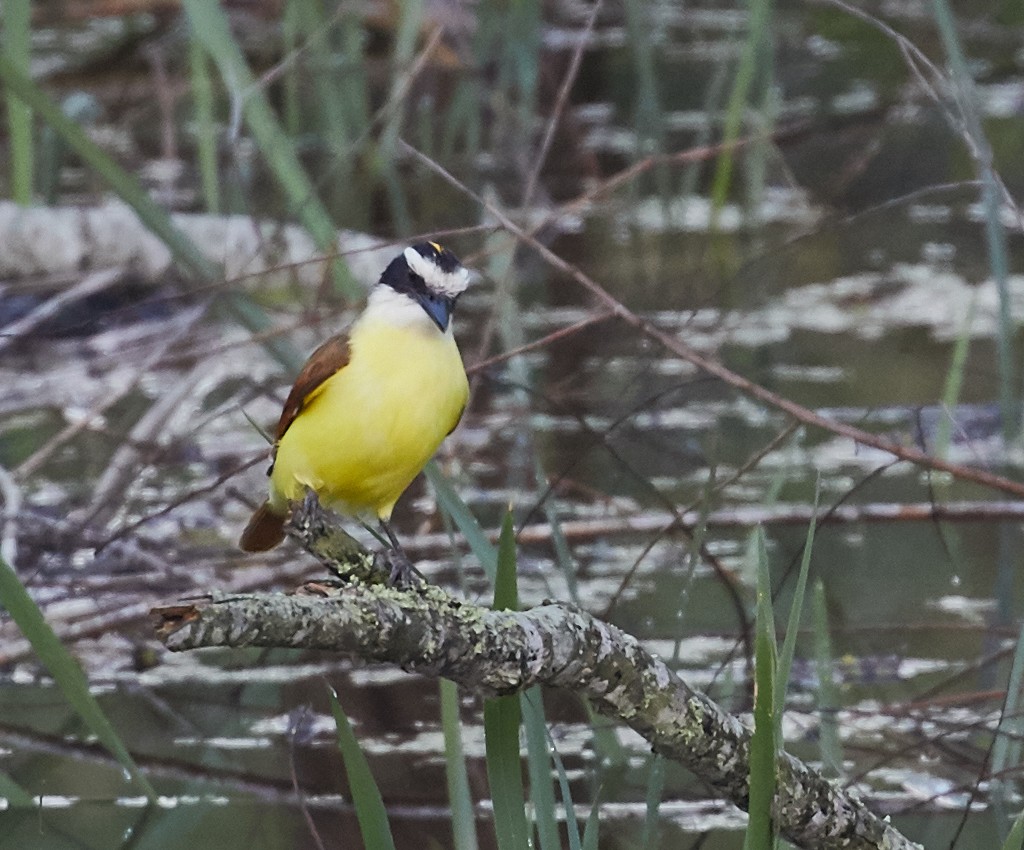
(424, 629)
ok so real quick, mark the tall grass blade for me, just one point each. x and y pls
(828, 694)
(954, 381)
(693, 558)
(210, 25)
(991, 195)
(506, 590)
(66, 673)
(17, 42)
(410, 20)
(571, 827)
(655, 791)
(592, 829)
(463, 518)
(504, 772)
(333, 118)
(538, 762)
(1006, 750)
(610, 750)
(758, 32)
(764, 742)
(648, 113)
(502, 720)
(205, 124)
(522, 47)
(129, 190)
(462, 120)
(366, 798)
(795, 613)
(291, 27)
(1015, 840)
(354, 82)
(563, 554)
(459, 798)
(123, 184)
(13, 795)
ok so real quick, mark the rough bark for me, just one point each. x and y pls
(426, 630)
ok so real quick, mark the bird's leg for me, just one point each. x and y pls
(403, 573)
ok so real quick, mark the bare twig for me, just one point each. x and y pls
(179, 328)
(720, 371)
(543, 342)
(88, 285)
(428, 631)
(561, 100)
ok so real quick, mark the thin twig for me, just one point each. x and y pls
(717, 369)
(543, 342)
(561, 100)
(426, 630)
(89, 285)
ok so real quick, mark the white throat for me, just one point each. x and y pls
(395, 308)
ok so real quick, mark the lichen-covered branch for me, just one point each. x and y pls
(427, 630)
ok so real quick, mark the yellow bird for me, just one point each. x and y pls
(371, 406)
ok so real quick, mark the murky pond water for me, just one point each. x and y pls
(841, 274)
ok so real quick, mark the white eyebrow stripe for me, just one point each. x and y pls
(446, 283)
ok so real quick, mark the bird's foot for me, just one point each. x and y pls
(401, 572)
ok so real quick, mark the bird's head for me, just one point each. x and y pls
(430, 275)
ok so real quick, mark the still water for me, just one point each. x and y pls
(841, 274)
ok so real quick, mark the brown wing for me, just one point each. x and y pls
(324, 362)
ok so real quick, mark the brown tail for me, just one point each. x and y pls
(264, 531)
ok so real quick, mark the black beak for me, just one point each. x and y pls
(438, 307)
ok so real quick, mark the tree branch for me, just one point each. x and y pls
(426, 630)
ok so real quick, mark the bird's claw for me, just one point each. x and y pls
(401, 573)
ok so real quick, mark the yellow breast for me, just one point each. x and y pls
(361, 440)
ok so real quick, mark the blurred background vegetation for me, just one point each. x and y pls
(819, 196)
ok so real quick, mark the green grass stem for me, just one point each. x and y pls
(563, 553)
(366, 798)
(991, 197)
(66, 672)
(592, 828)
(571, 827)
(1006, 749)
(502, 719)
(17, 43)
(1015, 838)
(954, 381)
(764, 743)
(652, 797)
(754, 47)
(210, 25)
(828, 694)
(538, 762)
(13, 795)
(795, 613)
(291, 84)
(334, 118)
(206, 129)
(448, 500)
(460, 800)
(129, 190)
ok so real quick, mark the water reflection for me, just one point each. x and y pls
(807, 286)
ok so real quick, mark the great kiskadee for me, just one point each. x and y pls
(371, 406)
